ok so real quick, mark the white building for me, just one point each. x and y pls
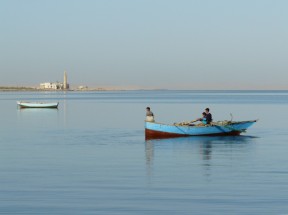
(51, 86)
(56, 85)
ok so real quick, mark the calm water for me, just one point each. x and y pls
(90, 156)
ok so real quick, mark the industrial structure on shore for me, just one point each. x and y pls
(56, 85)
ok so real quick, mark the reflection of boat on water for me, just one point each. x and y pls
(38, 110)
(23, 104)
(205, 143)
(204, 140)
(158, 130)
(193, 148)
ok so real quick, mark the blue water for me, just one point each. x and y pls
(90, 156)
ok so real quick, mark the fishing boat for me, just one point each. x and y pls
(25, 104)
(159, 130)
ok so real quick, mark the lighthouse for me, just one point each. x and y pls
(65, 83)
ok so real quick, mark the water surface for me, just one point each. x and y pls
(90, 156)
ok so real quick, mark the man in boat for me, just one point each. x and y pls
(208, 116)
(202, 120)
(149, 115)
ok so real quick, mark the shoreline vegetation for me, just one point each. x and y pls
(4, 88)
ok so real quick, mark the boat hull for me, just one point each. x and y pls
(157, 130)
(37, 105)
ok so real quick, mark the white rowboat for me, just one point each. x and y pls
(37, 104)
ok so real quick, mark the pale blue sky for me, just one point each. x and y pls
(176, 44)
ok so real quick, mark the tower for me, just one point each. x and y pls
(65, 83)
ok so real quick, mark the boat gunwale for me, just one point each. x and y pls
(208, 125)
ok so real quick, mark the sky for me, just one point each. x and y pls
(147, 44)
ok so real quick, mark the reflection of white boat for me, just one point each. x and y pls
(37, 104)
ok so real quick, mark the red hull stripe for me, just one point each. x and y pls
(151, 134)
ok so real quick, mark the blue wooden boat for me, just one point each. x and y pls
(159, 130)
(37, 104)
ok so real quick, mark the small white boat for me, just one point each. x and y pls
(23, 104)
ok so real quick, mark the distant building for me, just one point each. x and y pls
(56, 85)
(82, 88)
(65, 83)
(51, 86)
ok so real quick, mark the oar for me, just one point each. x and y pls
(185, 123)
(193, 121)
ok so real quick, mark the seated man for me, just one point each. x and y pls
(203, 120)
(208, 116)
(149, 115)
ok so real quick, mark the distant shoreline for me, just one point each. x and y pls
(46, 90)
(34, 89)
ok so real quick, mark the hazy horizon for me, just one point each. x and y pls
(161, 44)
